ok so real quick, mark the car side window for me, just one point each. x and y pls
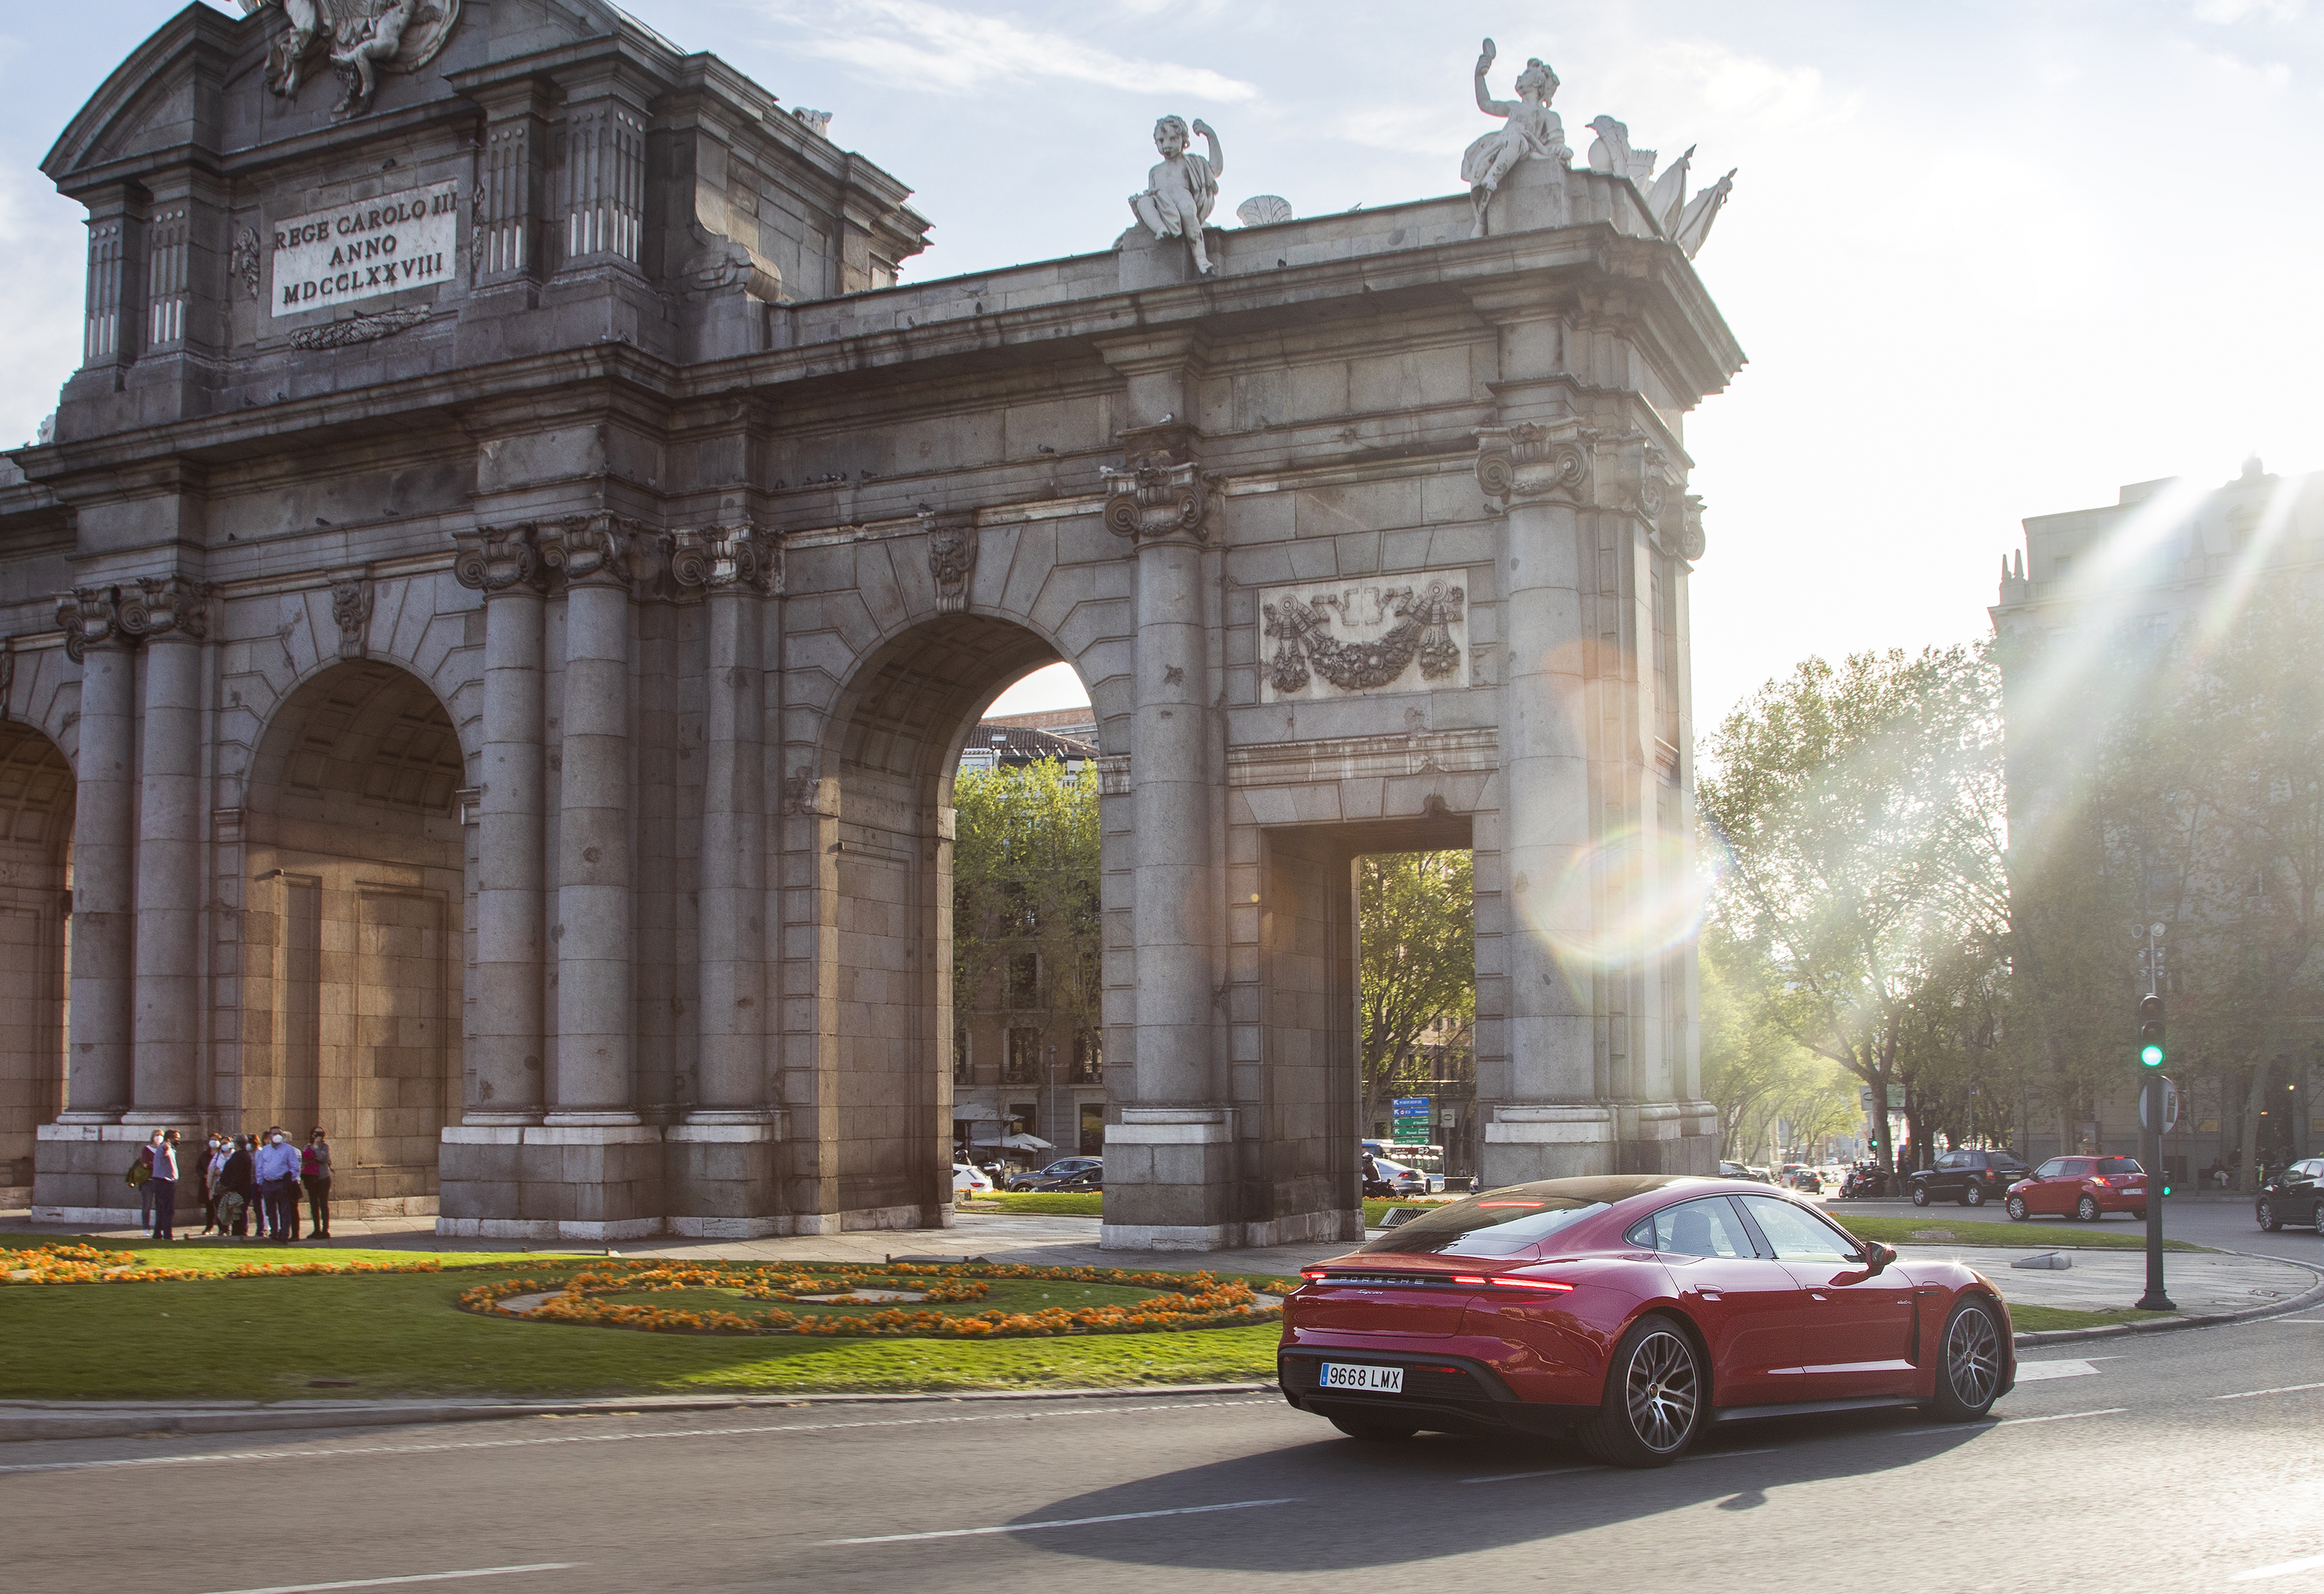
(1954, 1159)
(1797, 1234)
(1706, 1228)
(2052, 1169)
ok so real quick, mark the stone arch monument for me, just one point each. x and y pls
(511, 610)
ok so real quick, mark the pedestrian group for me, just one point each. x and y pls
(247, 1183)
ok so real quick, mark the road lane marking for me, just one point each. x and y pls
(414, 1450)
(2281, 1569)
(1026, 1527)
(2035, 1372)
(1716, 1455)
(2112, 1411)
(2256, 1394)
(423, 1577)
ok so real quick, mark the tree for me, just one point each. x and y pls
(1754, 1073)
(1025, 880)
(1416, 916)
(1857, 810)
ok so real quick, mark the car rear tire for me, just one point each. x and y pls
(2139, 1213)
(1919, 1195)
(1655, 1400)
(1974, 1196)
(2087, 1208)
(2269, 1219)
(1374, 1430)
(2016, 1208)
(1969, 1363)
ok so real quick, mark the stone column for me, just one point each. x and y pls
(1553, 1123)
(1169, 1161)
(722, 1166)
(171, 614)
(508, 1048)
(105, 860)
(596, 1038)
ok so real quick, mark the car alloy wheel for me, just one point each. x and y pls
(1973, 1195)
(1655, 1398)
(2016, 1208)
(2268, 1218)
(2087, 1208)
(1970, 1376)
(1919, 1195)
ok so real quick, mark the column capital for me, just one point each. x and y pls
(495, 559)
(720, 559)
(1556, 462)
(1161, 491)
(90, 617)
(597, 550)
(166, 608)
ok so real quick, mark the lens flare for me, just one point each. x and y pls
(1621, 903)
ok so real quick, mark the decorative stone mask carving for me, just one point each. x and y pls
(952, 558)
(351, 606)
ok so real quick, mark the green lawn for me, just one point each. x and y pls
(2037, 1319)
(386, 1335)
(2105, 1237)
(1040, 1204)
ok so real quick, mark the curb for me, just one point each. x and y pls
(2313, 1296)
(22, 1421)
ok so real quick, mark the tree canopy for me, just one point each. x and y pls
(1025, 879)
(1418, 972)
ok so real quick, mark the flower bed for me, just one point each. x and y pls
(1187, 1301)
(86, 1264)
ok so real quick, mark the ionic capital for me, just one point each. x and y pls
(720, 557)
(597, 550)
(1161, 491)
(166, 607)
(497, 559)
(1527, 462)
(90, 617)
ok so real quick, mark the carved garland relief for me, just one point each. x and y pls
(1400, 633)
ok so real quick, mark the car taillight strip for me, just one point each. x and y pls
(1503, 1282)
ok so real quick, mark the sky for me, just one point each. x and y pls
(1988, 258)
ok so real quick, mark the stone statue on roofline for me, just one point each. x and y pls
(1533, 130)
(360, 38)
(1183, 188)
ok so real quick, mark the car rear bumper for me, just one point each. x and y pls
(1457, 1394)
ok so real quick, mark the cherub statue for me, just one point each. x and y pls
(359, 57)
(1183, 188)
(1533, 130)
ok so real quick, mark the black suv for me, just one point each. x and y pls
(2296, 1195)
(1970, 1177)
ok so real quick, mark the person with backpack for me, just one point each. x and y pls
(210, 1165)
(240, 1184)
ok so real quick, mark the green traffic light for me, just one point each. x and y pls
(2151, 1056)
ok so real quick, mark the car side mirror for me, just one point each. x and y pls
(1878, 1258)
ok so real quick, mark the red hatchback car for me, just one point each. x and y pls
(2085, 1187)
(1635, 1311)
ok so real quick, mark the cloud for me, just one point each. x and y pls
(2227, 11)
(39, 338)
(936, 46)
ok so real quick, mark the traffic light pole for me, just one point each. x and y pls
(2150, 1118)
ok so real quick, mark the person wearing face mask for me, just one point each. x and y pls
(163, 1150)
(240, 1183)
(212, 1165)
(315, 1173)
(278, 1185)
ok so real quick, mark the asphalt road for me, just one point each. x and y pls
(2223, 1223)
(2172, 1461)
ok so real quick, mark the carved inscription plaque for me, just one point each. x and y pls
(1373, 634)
(366, 251)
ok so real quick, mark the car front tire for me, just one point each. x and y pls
(1657, 1398)
(2268, 1218)
(1919, 1195)
(1969, 1363)
(2087, 1208)
(1374, 1430)
(2016, 1208)
(1974, 1196)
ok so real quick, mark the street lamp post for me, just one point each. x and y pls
(2150, 1058)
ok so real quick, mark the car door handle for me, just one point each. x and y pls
(1708, 1295)
(1818, 1295)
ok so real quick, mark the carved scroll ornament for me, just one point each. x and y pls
(952, 559)
(90, 617)
(497, 559)
(597, 550)
(1529, 461)
(724, 557)
(1158, 496)
(168, 605)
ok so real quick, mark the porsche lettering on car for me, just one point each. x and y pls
(1635, 1311)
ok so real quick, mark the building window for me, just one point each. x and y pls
(1025, 980)
(963, 1071)
(1092, 1130)
(1023, 1066)
(1089, 1057)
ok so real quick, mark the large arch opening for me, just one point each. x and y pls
(36, 818)
(350, 987)
(897, 735)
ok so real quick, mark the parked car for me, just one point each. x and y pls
(2085, 1187)
(1647, 1307)
(1089, 1178)
(2296, 1195)
(1065, 1167)
(1972, 1178)
(1402, 1180)
(1805, 1179)
(968, 1179)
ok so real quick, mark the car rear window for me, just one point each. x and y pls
(1497, 1223)
(2119, 1165)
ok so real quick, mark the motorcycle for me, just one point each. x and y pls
(1865, 1182)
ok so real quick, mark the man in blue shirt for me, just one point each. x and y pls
(278, 1185)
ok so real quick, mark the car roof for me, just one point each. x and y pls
(1611, 1188)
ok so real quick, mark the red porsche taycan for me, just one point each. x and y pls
(1633, 1310)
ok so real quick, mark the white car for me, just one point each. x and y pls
(1407, 1181)
(967, 1179)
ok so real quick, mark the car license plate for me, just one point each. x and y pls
(1375, 1380)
